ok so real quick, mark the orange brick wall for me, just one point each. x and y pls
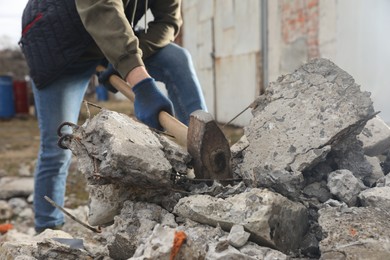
(300, 19)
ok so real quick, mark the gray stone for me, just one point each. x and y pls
(375, 137)
(345, 186)
(376, 172)
(133, 226)
(17, 205)
(26, 213)
(238, 147)
(51, 249)
(160, 245)
(357, 233)
(237, 150)
(376, 197)
(317, 190)
(309, 245)
(24, 257)
(334, 203)
(25, 170)
(222, 250)
(216, 189)
(385, 162)
(177, 156)
(113, 148)
(287, 183)
(30, 198)
(320, 172)
(5, 211)
(271, 219)
(349, 155)
(105, 202)
(19, 244)
(237, 236)
(384, 181)
(15, 187)
(300, 118)
(199, 239)
(262, 253)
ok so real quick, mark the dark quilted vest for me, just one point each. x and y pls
(54, 37)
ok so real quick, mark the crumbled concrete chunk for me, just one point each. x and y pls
(113, 148)
(300, 118)
(355, 233)
(378, 197)
(15, 187)
(375, 137)
(271, 219)
(238, 236)
(345, 186)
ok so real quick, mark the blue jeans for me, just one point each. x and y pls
(173, 66)
(61, 101)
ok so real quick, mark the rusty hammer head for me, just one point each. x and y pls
(208, 147)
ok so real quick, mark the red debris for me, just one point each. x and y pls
(180, 238)
(5, 227)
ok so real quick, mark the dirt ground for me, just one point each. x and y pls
(19, 144)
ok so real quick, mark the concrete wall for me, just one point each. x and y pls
(224, 37)
(351, 33)
(292, 35)
(225, 44)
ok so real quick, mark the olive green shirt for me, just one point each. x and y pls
(106, 22)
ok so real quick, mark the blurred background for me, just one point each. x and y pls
(241, 46)
(238, 47)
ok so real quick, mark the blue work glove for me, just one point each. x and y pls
(104, 78)
(149, 101)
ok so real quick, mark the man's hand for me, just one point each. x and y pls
(104, 78)
(149, 101)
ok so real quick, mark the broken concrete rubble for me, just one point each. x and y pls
(312, 188)
(156, 230)
(377, 197)
(238, 236)
(122, 155)
(271, 219)
(105, 202)
(308, 140)
(355, 233)
(5, 210)
(376, 171)
(42, 246)
(113, 148)
(345, 186)
(298, 121)
(375, 137)
(15, 187)
(135, 218)
(384, 181)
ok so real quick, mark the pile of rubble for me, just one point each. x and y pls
(310, 182)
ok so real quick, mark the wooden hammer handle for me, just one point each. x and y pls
(168, 122)
(174, 127)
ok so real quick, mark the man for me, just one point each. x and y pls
(64, 41)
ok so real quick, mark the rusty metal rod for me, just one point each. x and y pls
(97, 230)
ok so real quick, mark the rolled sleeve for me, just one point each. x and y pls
(106, 22)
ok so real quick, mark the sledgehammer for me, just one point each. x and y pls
(204, 140)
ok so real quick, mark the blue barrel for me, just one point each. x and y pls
(101, 93)
(7, 103)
